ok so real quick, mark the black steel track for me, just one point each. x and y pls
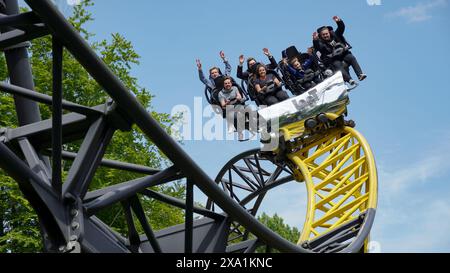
(67, 210)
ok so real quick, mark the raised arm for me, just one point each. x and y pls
(227, 64)
(273, 63)
(316, 42)
(201, 76)
(240, 73)
(243, 75)
(341, 26)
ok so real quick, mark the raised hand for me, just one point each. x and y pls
(222, 55)
(199, 64)
(315, 36)
(266, 52)
(336, 18)
(241, 59)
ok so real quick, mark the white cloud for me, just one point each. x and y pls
(422, 227)
(374, 2)
(432, 163)
(73, 2)
(420, 12)
(409, 218)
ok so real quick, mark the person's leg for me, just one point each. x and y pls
(235, 120)
(230, 118)
(351, 60)
(240, 119)
(309, 85)
(261, 99)
(317, 80)
(270, 100)
(282, 95)
(339, 66)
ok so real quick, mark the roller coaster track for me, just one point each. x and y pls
(337, 168)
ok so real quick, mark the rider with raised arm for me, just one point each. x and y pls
(214, 73)
(251, 65)
(334, 50)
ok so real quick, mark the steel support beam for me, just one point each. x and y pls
(88, 159)
(133, 235)
(189, 216)
(139, 211)
(117, 193)
(40, 195)
(42, 98)
(33, 160)
(17, 36)
(18, 170)
(180, 204)
(20, 21)
(133, 110)
(20, 74)
(57, 116)
(99, 238)
(74, 127)
(114, 164)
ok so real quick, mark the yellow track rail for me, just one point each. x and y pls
(339, 171)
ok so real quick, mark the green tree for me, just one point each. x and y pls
(19, 230)
(276, 224)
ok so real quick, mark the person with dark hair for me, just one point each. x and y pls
(335, 51)
(215, 75)
(252, 64)
(268, 87)
(230, 94)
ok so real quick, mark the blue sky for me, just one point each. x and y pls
(402, 107)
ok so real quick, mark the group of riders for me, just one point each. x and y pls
(297, 71)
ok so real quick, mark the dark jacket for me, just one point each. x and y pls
(326, 48)
(300, 73)
(244, 75)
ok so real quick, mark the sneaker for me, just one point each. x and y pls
(241, 137)
(350, 123)
(362, 77)
(352, 82)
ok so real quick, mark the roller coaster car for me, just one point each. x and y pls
(304, 111)
(317, 147)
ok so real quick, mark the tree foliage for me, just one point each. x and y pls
(19, 230)
(276, 224)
